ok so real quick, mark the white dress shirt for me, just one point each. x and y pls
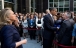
(39, 25)
(52, 17)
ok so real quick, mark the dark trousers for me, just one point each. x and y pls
(20, 30)
(32, 34)
(74, 44)
(47, 43)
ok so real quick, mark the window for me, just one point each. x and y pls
(0, 5)
(66, 9)
(32, 3)
(50, 0)
(0, 2)
(55, 4)
(66, 4)
(74, 3)
(51, 4)
(6, 0)
(31, 9)
(74, 9)
(10, 0)
(55, 0)
(61, 4)
(60, 9)
(61, 0)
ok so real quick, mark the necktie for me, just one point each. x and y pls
(52, 18)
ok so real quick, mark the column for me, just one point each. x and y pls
(2, 4)
(71, 5)
(29, 5)
(15, 6)
(45, 5)
(48, 4)
(41, 5)
(33, 5)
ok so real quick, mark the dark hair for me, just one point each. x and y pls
(31, 14)
(58, 13)
(52, 8)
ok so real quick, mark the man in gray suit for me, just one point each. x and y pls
(65, 32)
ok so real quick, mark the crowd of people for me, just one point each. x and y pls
(43, 27)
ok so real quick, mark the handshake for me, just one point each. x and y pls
(58, 28)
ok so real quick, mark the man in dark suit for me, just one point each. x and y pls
(48, 34)
(65, 32)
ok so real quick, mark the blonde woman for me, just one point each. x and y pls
(9, 35)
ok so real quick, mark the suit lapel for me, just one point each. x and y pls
(51, 18)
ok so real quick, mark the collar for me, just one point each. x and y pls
(66, 19)
(51, 15)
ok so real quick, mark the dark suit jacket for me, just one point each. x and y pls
(48, 27)
(9, 37)
(65, 32)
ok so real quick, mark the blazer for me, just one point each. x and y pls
(48, 27)
(9, 37)
(65, 32)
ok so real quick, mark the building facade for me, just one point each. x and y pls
(8, 3)
(61, 5)
(26, 6)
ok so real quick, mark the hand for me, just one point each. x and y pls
(31, 26)
(58, 28)
(24, 41)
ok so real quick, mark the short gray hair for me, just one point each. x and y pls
(68, 14)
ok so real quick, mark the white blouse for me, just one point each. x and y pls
(39, 25)
(25, 23)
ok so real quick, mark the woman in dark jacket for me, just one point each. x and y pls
(9, 35)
